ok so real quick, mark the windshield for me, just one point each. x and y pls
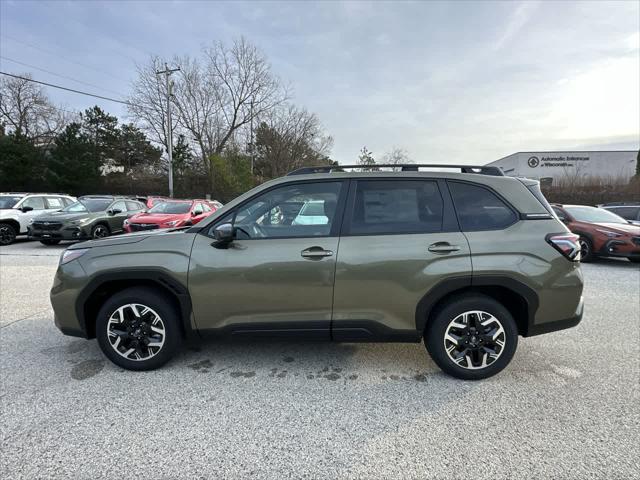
(594, 215)
(171, 207)
(89, 205)
(8, 201)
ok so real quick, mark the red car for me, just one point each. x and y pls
(602, 233)
(170, 214)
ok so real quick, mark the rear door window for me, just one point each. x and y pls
(386, 207)
(54, 202)
(478, 208)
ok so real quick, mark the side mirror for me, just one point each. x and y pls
(26, 209)
(195, 213)
(224, 235)
(115, 211)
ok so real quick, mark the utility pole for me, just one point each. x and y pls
(167, 73)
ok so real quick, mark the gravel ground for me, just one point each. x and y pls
(566, 407)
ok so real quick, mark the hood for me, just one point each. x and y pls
(63, 216)
(128, 238)
(621, 227)
(157, 218)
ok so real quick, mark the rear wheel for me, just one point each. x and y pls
(634, 260)
(99, 231)
(137, 329)
(586, 249)
(7, 234)
(471, 337)
(49, 242)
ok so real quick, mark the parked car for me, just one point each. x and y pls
(602, 233)
(170, 214)
(18, 209)
(91, 217)
(630, 211)
(466, 261)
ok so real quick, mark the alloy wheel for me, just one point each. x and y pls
(100, 231)
(136, 332)
(7, 235)
(474, 340)
(585, 248)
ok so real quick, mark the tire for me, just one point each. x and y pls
(100, 231)
(586, 250)
(7, 234)
(116, 345)
(50, 242)
(634, 260)
(484, 309)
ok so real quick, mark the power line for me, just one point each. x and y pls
(58, 75)
(65, 88)
(54, 54)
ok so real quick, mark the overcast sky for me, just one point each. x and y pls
(447, 81)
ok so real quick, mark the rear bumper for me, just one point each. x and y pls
(538, 329)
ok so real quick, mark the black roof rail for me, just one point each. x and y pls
(407, 167)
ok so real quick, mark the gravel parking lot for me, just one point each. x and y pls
(566, 407)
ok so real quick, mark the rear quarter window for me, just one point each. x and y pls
(478, 208)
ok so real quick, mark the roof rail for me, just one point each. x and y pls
(408, 167)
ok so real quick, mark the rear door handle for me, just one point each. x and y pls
(316, 253)
(443, 247)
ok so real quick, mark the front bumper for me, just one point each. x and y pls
(63, 233)
(620, 248)
(68, 282)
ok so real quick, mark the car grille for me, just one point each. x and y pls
(636, 240)
(48, 226)
(136, 227)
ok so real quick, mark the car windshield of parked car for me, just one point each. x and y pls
(171, 207)
(88, 205)
(8, 201)
(594, 215)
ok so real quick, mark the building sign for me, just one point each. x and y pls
(561, 161)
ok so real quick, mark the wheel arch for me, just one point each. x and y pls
(102, 287)
(13, 222)
(521, 301)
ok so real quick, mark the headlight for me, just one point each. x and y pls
(126, 222)
(609, 233)
(69, 255)
(173, 223)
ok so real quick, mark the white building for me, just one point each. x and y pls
(547, 166)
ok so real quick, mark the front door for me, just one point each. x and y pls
(117, 219)
(400, 239)
(276, 278)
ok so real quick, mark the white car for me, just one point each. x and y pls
(311, 213)
(17, 210)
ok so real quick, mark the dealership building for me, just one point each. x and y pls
(550, 166)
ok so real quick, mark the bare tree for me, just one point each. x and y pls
(290, 138)
(26, 110)
(396, 156)
(215, 97)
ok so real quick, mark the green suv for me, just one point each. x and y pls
(91, 217)
(467, 261)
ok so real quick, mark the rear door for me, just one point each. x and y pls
(399, 239)
(276, 278)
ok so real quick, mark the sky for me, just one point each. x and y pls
(449, 82)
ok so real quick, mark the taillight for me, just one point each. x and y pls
(566, 243)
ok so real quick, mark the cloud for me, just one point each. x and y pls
(519, 18)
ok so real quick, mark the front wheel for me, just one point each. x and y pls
(137, 329)
(99, 231)
(586, 249)
(7, 234)
(471, 337)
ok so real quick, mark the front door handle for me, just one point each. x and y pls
(443, 247)
(316, 253)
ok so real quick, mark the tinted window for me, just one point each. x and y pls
(480, 209)
(7, 201)
(628, 213)
(277, 212)
(37, 203)
(593, 215)
(119, 206)
(132, 206)
(392, 206)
